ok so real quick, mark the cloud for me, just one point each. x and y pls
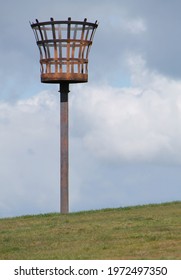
(29, 151)
(130, 25)
(136, 26)
(160, 44)
(140, 123)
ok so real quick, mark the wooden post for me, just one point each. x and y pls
(64, 166)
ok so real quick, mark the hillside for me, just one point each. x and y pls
(141, 232)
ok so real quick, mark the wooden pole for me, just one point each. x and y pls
(64, 165)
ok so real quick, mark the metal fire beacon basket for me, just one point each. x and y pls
(64, 48)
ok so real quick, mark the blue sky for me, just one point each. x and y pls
(125, 130)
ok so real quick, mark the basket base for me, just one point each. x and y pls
(57, 78)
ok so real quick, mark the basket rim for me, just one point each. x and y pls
(68, 22)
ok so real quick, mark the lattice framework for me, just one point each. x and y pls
(64, 48)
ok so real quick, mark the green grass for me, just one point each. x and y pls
(141, 232)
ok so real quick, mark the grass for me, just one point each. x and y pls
(141, 232)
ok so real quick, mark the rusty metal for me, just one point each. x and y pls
(64, 48)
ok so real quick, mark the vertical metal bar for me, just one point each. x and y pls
(60, 47)
(64, 90)
(73, 63)
(55, 46)
(43, 44)
(81, 66)
(68, 44)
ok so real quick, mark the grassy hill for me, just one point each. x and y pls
(141, 232)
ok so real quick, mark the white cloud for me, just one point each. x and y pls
(136, 26)
(29, 149)
(139, 123)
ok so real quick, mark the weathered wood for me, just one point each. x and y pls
(64, 151)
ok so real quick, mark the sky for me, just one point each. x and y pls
(124, 124)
